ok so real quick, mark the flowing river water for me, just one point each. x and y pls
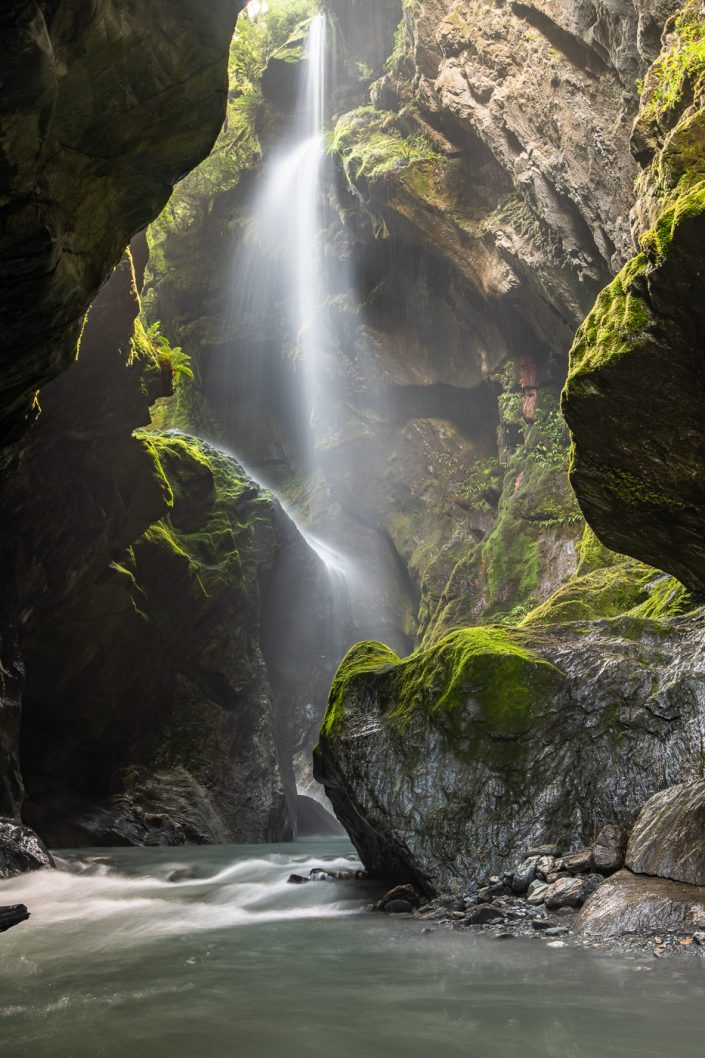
(231, 962)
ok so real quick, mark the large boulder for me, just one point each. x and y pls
(451, 763)
(628, 903)
(668, 840)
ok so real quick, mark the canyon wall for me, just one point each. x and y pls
(504, 136)
(145, 654)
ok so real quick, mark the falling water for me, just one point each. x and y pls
(279, 311)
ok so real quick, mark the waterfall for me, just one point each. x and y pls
(278, 373)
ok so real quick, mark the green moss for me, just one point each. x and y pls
(592, 554)
(366, 660)
(511, 562)
(613, 327)
(688, 206)
(371, 147)
(474, 683)
(626, 587)
(679, 74)
(219, 530)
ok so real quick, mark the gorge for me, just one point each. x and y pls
(352, 455)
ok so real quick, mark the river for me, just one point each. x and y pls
(117, 961)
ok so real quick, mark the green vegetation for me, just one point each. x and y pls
(613, 327)
(473, 682)
(371, 146)
(687, 207)
(628, 588)
(150, 343)
(207, 541)
(679, 74)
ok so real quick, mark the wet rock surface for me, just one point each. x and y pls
(21, 850)
(668, 839)
(635, 904)
(12, 916)
(440, 774)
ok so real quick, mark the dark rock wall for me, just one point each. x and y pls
(105, 106)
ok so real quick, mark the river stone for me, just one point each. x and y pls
(12, 916)
(566, 892)
(524, 875)
(580, 862)
(629, 903)
(547, 865)
(609, 848)
(21, 850)
(483, 916)
(537, 893)
(401, 894)
(668, 840)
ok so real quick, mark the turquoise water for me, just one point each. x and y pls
(116, 961)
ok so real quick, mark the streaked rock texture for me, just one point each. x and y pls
(630, 903)
(668, 839)
(450, 764)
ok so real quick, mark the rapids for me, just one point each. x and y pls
(232, 962)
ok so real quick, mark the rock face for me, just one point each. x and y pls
(635, 390)
(168, 701)
(668, 839)
(105, 107)
(450, 764)
(180, 641)
(445, 765)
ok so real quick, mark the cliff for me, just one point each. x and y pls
(503, 139)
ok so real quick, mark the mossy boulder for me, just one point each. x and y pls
(449, 764)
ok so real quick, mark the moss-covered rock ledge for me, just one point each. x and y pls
(636, 390)
(154, 714)
(448, 764)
